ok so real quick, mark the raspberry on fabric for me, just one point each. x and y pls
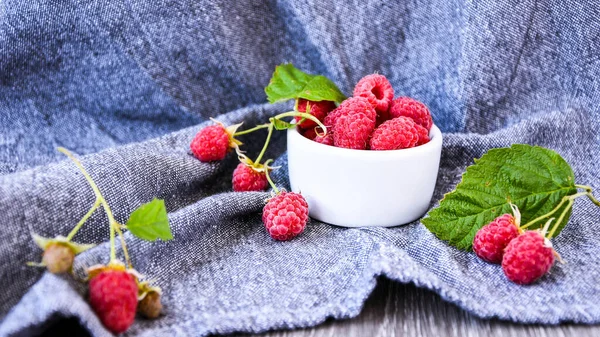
(491, 240)
(58, 258)
(150, 306)
(318, 109)
(211, 143)
(113, 296)
(285, 215)
(527, 258)
(423, 135)
(378, 91)
(246, 179)
(353, 121)
(395, 134)
(409, 107)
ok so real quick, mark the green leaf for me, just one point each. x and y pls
(288, 82)
(533, 178)
(150, 222)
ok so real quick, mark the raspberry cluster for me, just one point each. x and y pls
(369, 120)
(525, 256)
(373, 120)
(116, 291)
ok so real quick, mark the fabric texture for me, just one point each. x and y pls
(127, 84)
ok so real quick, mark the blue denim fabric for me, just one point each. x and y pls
(129, 83)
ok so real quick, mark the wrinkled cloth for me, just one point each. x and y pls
(127, 84)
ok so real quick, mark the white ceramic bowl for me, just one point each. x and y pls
(355, 188)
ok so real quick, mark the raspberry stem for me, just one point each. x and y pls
(258, 127)
(123, 245)
(303, 115)
(264, 149)
(568, 198)
(111, 220)
(269, 176)
(83, 220)
(560, 219)
(590, 196)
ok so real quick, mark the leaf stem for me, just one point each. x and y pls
(564, 199)
(111, 219)
(264, 149)
(560, 219)
(83, 220)
(269, 176)
(123, 245)
(258, 127)
(590, 196)
(303, 115)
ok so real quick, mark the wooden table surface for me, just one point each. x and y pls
(396, 309)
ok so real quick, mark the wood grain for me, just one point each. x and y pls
(397, 310)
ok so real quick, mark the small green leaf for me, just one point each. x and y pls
(282, 125)
(150, 222)
(533, 178)
(288, 82)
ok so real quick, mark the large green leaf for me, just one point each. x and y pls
(288, 82)
(531, 177)
(150, 222)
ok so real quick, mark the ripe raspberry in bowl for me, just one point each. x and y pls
(355, 188)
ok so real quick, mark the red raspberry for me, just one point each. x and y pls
(308, 133)
(318, 109)
(394, 134)
(353, 121)
(245, 179)
(527, 257)
(113, 296)
(423, 135)
(378, 90)
(491, 240)
(330, 119)
(285, 215)
(350, 105)
(327, 139)
(211, 143)
(353, 131)
(408, 107)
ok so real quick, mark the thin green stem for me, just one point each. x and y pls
(546, 215)
(269, 176)
(592, 199)
(258, 127)
(84, 219)
(564, 199)
(546, 226)
(111, 219)
(264, 149)
(123, 245)
(303, 115)
(590, 196)
(560, 219)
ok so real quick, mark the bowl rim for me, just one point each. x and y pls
(435, 142)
